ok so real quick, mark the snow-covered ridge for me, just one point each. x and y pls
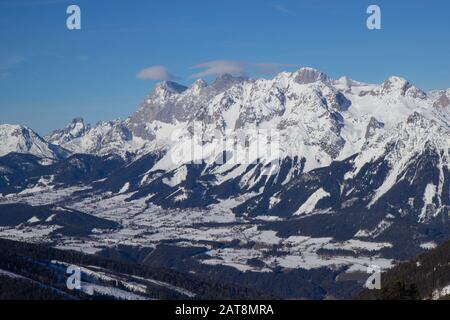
(20, 139)
(76, 129)
(109, 137)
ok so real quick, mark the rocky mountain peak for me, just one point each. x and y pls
(418, 119)
(345, 83)
(200, 83)
(310, 75)
(443, 100)
(20, 139)
(77, 128)
(226, 81)
(166, 89)
(372, 127)
(401, 86)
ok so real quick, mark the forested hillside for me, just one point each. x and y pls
(426, 276)
(29, 271)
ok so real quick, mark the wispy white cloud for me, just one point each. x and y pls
(283, 9)
(236, 67)
(268, 68)
(157, 73)
(11, 61)
(219, 67)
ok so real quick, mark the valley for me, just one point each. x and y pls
(360, 178)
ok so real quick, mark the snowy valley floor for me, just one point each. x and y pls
(219, 237)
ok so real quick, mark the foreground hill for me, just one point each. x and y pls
(30, 271)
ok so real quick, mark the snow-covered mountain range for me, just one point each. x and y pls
(317, 121)
(354, 163)
(329, 119)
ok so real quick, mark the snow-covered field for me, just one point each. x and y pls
(147, 225)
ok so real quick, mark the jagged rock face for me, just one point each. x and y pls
(76, 129)
(372, 127)
(443, 100)
(112, 137)
(395, 87)
(402, 87)
(309, 75)
(170, 102)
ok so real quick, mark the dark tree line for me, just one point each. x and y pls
(416, 279)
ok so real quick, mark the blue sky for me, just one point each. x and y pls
(49, 75)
